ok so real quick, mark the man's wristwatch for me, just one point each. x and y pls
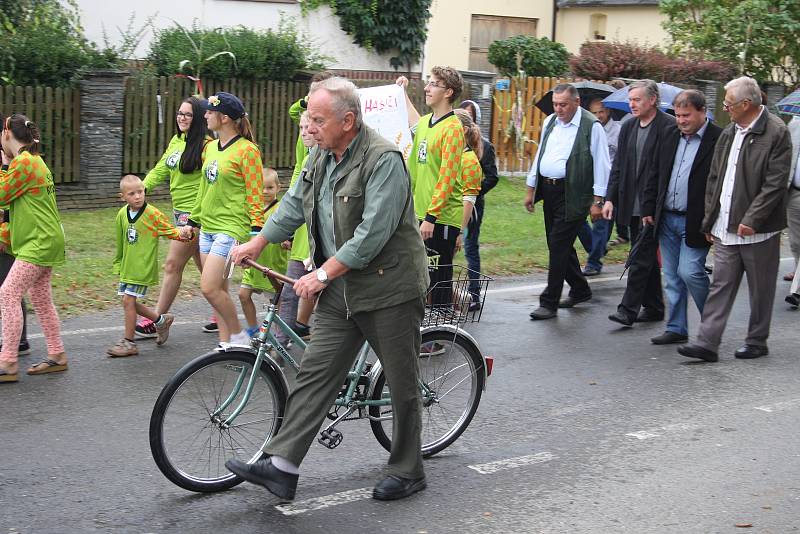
(322, 276)
(598, 203)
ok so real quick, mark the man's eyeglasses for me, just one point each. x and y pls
(727, 106)
(181, 114)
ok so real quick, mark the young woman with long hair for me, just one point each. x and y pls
(229, 204)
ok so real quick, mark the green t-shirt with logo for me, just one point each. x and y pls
(229, 199)
(136, 260)
(300, 247)
(435, 168)
(182, 187)
(27, 189)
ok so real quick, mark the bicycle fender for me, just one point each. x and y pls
(267, 360)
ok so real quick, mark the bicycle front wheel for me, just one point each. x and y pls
(189, 437)
(452, 376)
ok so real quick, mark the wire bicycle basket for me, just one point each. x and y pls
(458, 299)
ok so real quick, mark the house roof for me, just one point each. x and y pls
(598, 3)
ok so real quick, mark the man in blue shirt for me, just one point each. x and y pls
(674, 202)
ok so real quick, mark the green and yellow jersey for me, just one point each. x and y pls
(435, 168)
(136, 260)
(229, 199)
(27, 189)
(471, 174)
(182, 187)
(273, 256)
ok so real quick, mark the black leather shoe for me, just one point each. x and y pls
(793, 299)
(649, 316)
(542, 313)
(395, 487)
(695, 351)
(667, 338)
(748, 352)
(263, 473)
(571, 301)
(621, 318)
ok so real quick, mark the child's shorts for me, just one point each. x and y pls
(134, 290)
(217, 244)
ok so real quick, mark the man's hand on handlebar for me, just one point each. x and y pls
(250, 250)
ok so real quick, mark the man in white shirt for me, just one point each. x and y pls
(570, 174)
(745, 212)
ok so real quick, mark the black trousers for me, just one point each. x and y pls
(644, 276)
(563, 261)
(443, 242)
(6, 261)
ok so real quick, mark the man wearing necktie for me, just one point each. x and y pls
(570, 175)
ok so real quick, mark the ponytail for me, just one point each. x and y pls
(26, 132)
(246, 129)
(472, 133)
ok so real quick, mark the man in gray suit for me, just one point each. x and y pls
(745, 213)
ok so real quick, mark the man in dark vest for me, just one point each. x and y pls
(569, 174)
(370, 281)
(639, 139)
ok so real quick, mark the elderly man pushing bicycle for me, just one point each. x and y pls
(371, 279)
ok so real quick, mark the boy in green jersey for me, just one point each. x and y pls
(435, 169)
(138, 227)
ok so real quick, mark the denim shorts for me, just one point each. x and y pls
(216, 244)
(134, 290)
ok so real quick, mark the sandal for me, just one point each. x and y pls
(47, 366)
(5, 376)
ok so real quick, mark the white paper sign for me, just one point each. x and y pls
(384, 110)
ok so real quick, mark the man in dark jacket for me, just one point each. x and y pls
(639, 139)
(674, 204)
(745, 205)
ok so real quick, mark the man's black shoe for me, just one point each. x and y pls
(542, 313)
(668, 338)
(394, 487)
(571, 301)
(621, 318)
(590, 271)
(793, 299)
(263, 473)
(649, 316)
(748, 352)
(695, 351)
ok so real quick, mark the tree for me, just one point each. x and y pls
(761, 38)
(537, 57)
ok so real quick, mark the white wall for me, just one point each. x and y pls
(321, 24)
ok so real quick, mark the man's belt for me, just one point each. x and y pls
(552, 181)
(675, 212)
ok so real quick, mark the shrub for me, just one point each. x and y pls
(605, 61)
(538, 57)
(232, 53)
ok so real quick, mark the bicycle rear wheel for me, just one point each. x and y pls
(452, 369)
(189, 440)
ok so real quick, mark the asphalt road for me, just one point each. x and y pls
(584, 427)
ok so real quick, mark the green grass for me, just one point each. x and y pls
(513, 240)
(512, 243)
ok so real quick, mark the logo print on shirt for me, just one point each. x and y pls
(173, 159)
(211, 172)
(422, 151)
(133, 236)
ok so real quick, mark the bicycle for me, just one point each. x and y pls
(230, 402)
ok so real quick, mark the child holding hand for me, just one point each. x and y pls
(275, 256)
(138, 227)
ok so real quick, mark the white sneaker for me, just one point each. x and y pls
(240, 339)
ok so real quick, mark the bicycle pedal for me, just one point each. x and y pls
(330, 438)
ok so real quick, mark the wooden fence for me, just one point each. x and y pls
(148, 127)
(57, 113)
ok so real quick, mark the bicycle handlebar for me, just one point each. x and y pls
(269, 272)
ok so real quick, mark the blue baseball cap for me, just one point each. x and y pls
(225, 103)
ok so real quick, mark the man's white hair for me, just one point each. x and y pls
(745, 88)
(344, 95)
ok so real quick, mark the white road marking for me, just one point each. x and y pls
(779, 406)
(319, 503)
(544, 285)
(512, 463)
(660, 431)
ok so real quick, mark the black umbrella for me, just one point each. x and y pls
(588, 91)
(645, 234)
